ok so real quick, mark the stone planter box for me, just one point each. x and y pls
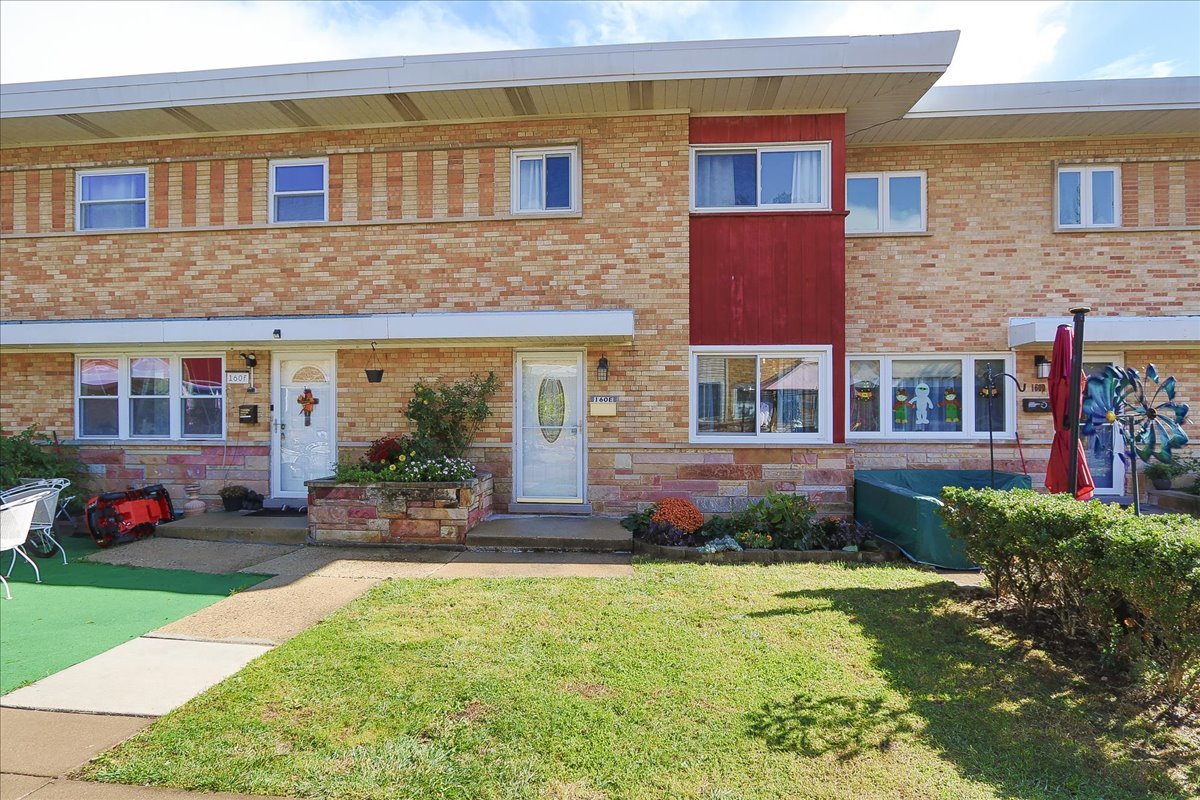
(397, 513)
(1176, 501)
(666, 553)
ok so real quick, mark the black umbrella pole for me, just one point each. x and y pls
(1073, 405)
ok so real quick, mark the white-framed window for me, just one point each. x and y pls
(747, 395)
(298, 190)
(934, 396)
(885, 202)
(150, 396)
(545, 181)
(776, 177)
(111, 199)
(1088, 197)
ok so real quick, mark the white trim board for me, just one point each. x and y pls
(446, 327)
(1158, 331)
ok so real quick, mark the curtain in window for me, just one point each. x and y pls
(714, 181)
(530, 197)
(806, 177)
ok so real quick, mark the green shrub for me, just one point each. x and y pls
(446, 417)
(785, 518)
(1130, 584)
(28, 455)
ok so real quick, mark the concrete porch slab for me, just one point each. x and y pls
(49, 743)
(143, 677)
(220, 558)
(18, 787)
(588, 534)
(234, 526)
(376, 563)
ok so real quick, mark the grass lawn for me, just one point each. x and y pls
(82, 609)
(685, 681)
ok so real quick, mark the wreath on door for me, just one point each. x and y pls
(307, 404)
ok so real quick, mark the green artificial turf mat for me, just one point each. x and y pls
(82, 609)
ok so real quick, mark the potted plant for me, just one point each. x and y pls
(233, 496)
(1163, 475)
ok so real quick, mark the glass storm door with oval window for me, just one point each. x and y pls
(549, 449)
(302, 436)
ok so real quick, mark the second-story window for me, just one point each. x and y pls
(885, 202)
(545, 181)
(298, 190)
(769, 178)
(1089, 197)
(110, 199)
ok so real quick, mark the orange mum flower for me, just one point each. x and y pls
(679, 513)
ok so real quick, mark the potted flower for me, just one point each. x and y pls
(233, 496)
(1163, 475)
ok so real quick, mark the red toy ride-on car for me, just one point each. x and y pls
(131, 514)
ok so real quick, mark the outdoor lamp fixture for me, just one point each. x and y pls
(602, 369)
(278, 334)
(374, 373)
(1042, 365)
(251, 362)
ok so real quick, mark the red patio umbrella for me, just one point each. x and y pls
(1060, 395)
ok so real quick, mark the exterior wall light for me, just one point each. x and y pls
(278, 334)
(602, 369)
(1042, 365)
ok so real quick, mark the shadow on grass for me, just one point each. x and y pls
(1026, 726)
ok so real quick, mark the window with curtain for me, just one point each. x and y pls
(768, 178)
(139, 396)
(543, 181)
(110, 200)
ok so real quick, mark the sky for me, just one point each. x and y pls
(1001, 42)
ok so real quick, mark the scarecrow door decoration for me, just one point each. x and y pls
(952, 406)
(307, 403)
(900, 408)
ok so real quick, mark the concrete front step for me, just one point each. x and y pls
(577, 534)
(234, 526)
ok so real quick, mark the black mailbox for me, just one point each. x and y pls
(248, 415)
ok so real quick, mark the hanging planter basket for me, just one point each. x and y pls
(374, 372)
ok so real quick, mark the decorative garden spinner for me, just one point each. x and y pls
(1150, 429)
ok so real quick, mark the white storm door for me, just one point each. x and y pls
(1108, 471)
(549, 451)
(303, 444)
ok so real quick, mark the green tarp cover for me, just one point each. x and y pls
(901, 505)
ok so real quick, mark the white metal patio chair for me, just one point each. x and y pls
(16, 515)
(41, 531)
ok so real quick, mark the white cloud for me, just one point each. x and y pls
(1138, 65)
(627, 21)
(123, 38)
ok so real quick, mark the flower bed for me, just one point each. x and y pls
(391, 512)
(778, 528)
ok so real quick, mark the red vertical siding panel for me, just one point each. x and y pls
(6, 201)
(395, 185)
(189, 194)
(216, 193)
(33, 197)
(58, 200)
(335, 188)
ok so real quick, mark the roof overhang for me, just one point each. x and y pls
(451, 329)
(1058, 110)
(871, 78)
(1125, 332)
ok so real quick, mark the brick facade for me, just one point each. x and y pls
(419, 222)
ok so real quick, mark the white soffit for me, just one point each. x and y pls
(1169, 332)
(872, 78)
(450, 328)
(1064, 109)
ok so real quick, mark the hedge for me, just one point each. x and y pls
(1130, 584)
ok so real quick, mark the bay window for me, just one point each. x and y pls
(937, 396)
(766, 178)
(769, 394)
(150, 397)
